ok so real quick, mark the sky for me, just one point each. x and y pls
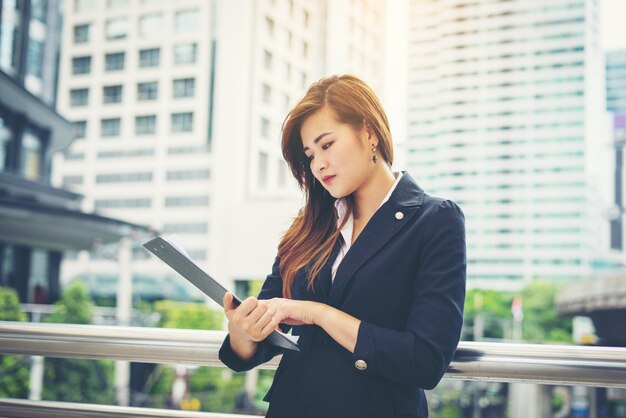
(613, 28)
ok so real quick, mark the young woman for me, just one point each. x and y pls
(370, 275)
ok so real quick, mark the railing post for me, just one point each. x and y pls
(123, 308)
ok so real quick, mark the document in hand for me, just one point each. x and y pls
(175, 256)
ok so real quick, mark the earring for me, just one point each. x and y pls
(374, 157)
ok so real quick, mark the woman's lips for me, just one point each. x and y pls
(327, 179)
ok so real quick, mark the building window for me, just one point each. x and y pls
(122, 203)
(186, 20)
(115, 4)
(186, 228)
(305, 49)
(183, 175)
(182, 122)
(32, 154)
(185, 53)
(114, 61)
(149, 57)
(265, 128)
(147, 91)
(79, 97)
(111, 127)
(184, 87)
(263, 158)
(151, 25)
(269, 26)
(72, 181)
(35, 58)
(266, 94)
(84, 5)
(145, 125)
(124, 177)
(117, 28)
(287, 71)
(81, 65)
(267, 60)
(79, 129)
(112, 94)
(81, 33)
(187, 201)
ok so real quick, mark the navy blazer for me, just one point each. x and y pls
(404, 278)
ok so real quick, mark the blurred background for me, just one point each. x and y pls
(125, 119)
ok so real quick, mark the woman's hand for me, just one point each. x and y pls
(295, 312)
(248, 324)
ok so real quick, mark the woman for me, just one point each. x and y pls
(370, 275)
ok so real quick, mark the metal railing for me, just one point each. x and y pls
(486, 361)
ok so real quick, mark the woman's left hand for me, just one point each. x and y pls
(295, 312)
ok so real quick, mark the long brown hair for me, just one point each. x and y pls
(309, 241)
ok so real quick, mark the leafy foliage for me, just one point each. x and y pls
(14, 369)
(75, 380)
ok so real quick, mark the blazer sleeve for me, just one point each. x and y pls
(272, 288)
(420, 354)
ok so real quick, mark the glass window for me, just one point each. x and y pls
(269, 26)
(81, 33)
(114, 61)
(266, 94)
(81, 65)
(5, 140)
(79, 97)
(185, 53)
(147, 91)
(110, 127)
(184, 87)
(38, 9)
(145, 125)
(265, 128)
(186, 20)
(35, 57)
(267, 60)
(32, 153)
(117, 28)
(187, 201)
(263, 159)
(112, 94)
(182, 122)
(79, 129)
(149, 57)
(84, 5)
(150, 25)
(114, 4)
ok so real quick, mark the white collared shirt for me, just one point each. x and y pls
(348, 228)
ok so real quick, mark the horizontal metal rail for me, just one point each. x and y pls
(487, 361)
(20, 408)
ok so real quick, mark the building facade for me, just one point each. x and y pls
(177, 109)
(506, 116)
(616, 105)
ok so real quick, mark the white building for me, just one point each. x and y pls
(506, 117)
(178, 108)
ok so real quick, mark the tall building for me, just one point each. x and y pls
(177, 109)
(505, 116)
(616, 105)
(38, 222)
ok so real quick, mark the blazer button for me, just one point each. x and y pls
(360, 364)
(399, 216)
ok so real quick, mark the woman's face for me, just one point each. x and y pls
(340, 158)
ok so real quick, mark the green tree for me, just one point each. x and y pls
(14, 369)
(542, 323)
(76, 380)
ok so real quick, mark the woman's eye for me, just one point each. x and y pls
(310, 157)
(327, 145)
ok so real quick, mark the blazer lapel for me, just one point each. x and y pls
(406, 200)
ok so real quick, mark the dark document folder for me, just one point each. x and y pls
(186, 267)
